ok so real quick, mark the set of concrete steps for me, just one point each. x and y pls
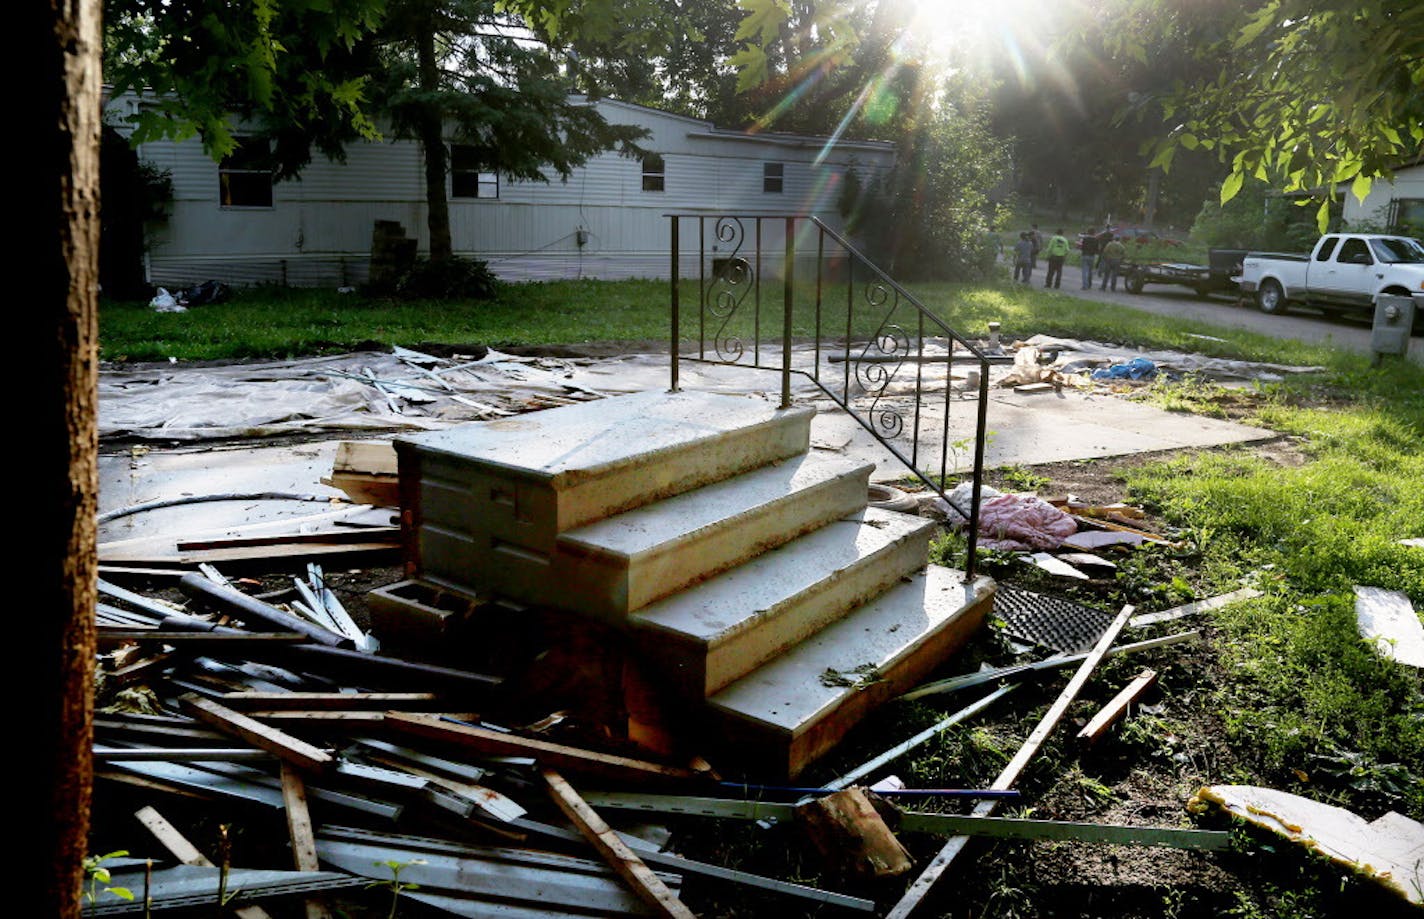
(747, 570)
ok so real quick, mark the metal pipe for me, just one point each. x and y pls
(247, 609)
(676, 298)
(787, 303)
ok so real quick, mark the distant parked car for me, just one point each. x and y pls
(1142, 235)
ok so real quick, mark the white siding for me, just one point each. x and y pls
(318, 230)
(1408, 183)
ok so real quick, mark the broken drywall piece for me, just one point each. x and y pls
(1087, 560)
(1054, 565)
(1389, 850)
(1097, 539)
(1387, 620)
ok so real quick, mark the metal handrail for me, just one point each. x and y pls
(737, 279)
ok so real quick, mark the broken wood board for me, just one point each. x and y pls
(299, 827)
(279, 743)
(922, 885)
(366, 470)
(1389, 851)
(1082, 560)
(1053, 565)
(1192, 609)
(852, 837)
(1388, 623)
(571, 759)
(1120, 528)
(1117, 709)
(624, 862)
(186, 853)
(330, 701)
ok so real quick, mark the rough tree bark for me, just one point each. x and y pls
(432, 141)
(54, 563)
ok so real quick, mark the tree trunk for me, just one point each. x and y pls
(1154, 191)
(432, 141)
(55, 560)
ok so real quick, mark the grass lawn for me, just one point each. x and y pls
(1283, 689)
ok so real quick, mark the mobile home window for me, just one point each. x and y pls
(245, 175)
(772, 175)
(1406, 216)
(466, 178)
(654, 173)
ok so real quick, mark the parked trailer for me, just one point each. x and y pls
(1219, 276)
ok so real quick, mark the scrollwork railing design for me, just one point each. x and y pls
(878, 334)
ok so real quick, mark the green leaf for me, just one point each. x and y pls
(1322, 217)
(1189, 141)
(1360, 188)
(1163, 159)
(1256, 26)
(123, 893)
(1232, 185)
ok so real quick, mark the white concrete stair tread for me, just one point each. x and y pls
(578, 441)
(771, 489)
(737, 600)
(789, 694)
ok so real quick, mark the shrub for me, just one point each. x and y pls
(452, 278)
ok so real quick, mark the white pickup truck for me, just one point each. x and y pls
(1347, 271)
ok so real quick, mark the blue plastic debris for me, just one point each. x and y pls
(1139, 368)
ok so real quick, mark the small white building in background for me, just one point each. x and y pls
(235, 225)
(1396, 205)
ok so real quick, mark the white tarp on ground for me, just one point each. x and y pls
(1072, 351)
(373, 391)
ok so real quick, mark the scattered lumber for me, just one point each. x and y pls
(281, 744)
(186, 853)
(936, 869)
(239, 604)
(299, 827)
(624, 862)
(585, 762)
(1117, 709)
(366, 471)
(1192, 609)
(331, 701)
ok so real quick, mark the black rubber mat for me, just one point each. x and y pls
(1053, 623)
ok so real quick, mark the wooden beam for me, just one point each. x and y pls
(185, 852)
(1115, 710)
(317, 719)
(109, 637)
(573, 759)
(299, 827)
(624, 862)
(290, 749)
(937, 867)
(332, 701)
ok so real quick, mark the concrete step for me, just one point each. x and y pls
(620, 564)
(488, 499)
(710, 635)
(780, 717)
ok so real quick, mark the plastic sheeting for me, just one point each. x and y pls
(1075, 355)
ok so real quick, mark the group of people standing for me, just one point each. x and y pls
(1102, 253)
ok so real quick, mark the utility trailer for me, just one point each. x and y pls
(1218, 276)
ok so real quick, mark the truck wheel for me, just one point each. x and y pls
(1270, 298)
(1202, 291)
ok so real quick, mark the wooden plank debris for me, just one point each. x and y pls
(624, 862)
(299, 828)
(1119, 528)
(331, 701)
(1117, 709)
(937, 867)
(186, 853)
(1192, 609)
(572, 759)
(852, 837)
(108, 637)
(967, 680)
(366, 471)
(288, 748)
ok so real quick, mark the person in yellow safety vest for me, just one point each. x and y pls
(1057, 250)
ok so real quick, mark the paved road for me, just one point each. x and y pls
(1302, 325)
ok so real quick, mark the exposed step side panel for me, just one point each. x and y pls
(489, 498)
(710, 635)
(782, 716)
(613, 566)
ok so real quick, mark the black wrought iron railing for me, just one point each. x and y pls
(791, 295)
